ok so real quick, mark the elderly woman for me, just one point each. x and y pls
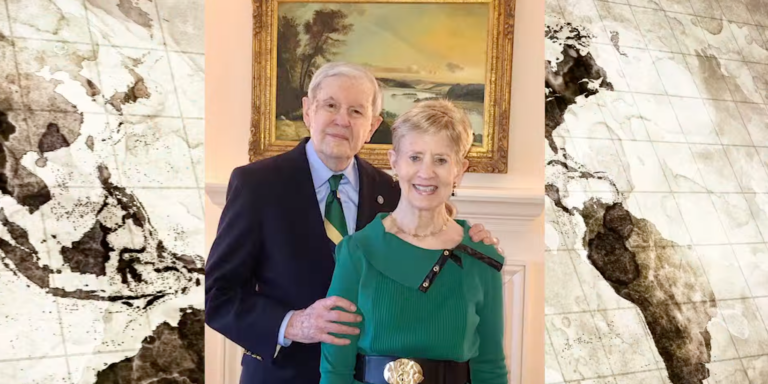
(430, 298)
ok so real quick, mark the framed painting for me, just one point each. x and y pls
(455, 50)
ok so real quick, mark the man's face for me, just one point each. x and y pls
(340, 118)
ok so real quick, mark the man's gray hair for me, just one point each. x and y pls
(349, 70)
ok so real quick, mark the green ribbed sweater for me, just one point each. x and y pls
(458, 318)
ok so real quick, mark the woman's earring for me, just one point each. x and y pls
(394, 177)
(453, 193)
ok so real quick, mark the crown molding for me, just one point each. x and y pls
(500, 209)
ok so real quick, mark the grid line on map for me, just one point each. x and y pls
(568, 135)
(110, 45)
(31, 145)
(546, 328)
(671, 191)
(126, 114)
(147, 48)
(661, 371)
(131, 229)
(682, 96)
(719, 216)
(27, 126)
(49, 357)
(594, 322)
(685, 14)
(699, 171)
(557, 357)
(679, 246)
(178, 102)
(709, 44)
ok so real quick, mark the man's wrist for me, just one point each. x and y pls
(281, 339)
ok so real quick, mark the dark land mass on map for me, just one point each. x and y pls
(171, 355)
(629, 253)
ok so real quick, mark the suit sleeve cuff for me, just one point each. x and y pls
(281, 339)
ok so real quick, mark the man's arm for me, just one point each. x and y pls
(233, 307)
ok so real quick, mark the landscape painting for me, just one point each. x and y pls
(416, 51)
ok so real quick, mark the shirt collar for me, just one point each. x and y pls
(321, 173)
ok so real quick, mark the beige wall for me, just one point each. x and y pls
(228, 98)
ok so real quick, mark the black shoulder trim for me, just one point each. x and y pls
(491, 262)
(438, 267)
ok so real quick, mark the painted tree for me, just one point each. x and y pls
(323, 39)
(289, 45)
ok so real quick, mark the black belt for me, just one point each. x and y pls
(375, 369)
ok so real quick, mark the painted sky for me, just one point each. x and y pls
(436, 42)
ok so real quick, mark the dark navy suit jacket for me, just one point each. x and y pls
(271, 255)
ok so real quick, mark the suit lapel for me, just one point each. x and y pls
(305, 199)
(367, 204)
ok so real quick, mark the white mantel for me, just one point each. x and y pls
(512, 215)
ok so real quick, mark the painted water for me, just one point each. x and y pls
(395, 100)
(400, 100)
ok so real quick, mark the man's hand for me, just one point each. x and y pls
(477, 232)
(314, 324)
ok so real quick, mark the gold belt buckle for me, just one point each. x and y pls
(403, 371)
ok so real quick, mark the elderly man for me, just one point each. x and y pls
(272, 261)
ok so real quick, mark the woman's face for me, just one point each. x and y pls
(427, 169)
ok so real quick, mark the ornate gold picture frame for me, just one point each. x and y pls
(459, 50)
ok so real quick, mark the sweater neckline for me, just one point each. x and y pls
(388, 235)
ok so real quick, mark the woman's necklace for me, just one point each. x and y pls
(419, 235)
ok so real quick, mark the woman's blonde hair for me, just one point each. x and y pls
(437, 116)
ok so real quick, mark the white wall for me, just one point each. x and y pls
(509, 204)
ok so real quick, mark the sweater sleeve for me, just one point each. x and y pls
(337, 362)
(489, 366)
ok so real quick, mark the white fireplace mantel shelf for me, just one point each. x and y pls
(507, 213)
(503, 207)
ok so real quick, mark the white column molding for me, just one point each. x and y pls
(215, 345)
(217, 192)
(510, 215)
(514, 304)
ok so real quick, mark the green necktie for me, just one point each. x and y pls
(335, 223)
